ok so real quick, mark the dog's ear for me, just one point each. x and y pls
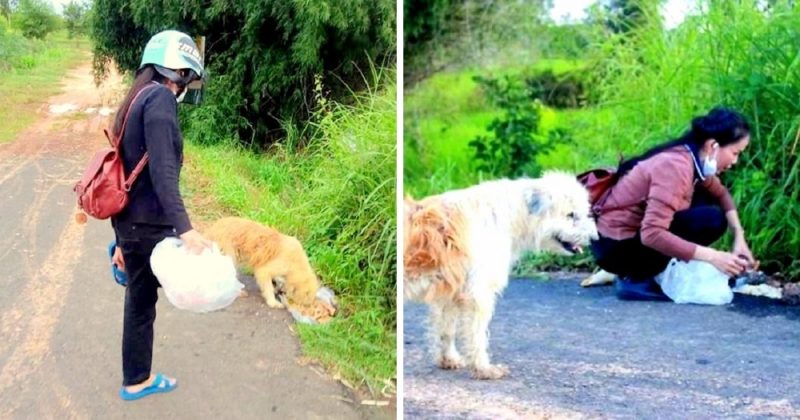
(538, 201)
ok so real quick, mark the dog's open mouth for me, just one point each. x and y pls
(571, 247)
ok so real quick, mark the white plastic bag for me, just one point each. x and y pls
(197, 283)
(324, 296)
(695, 282)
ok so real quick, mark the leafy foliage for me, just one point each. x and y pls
(512, 149)
(628, 15)
(566, 90)
(35, 19)
(262, 55)
(76, 16)
(447, 33)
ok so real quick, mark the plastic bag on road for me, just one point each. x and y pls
(321, 311)
(695, 282)
(197, 283)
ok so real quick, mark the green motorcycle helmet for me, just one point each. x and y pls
(170, 51)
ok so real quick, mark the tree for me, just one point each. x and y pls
(5, 9)
(262, 55)
(626, 15)
(35, 18)
(75, 16)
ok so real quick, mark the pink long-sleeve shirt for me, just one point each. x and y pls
(650, 195)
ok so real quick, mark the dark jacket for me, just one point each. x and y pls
(154, 198)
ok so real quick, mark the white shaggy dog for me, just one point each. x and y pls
(461, 245)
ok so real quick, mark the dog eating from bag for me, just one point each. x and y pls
(280, 267)
(460, 246)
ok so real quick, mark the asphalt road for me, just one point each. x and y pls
(61, 312)
(581, 353)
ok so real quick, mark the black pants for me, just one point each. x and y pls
(702, 223)
(137, 242)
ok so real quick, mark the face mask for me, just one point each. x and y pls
(710, 163)
(181, 95)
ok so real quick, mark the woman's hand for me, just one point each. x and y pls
(195, 242)
(740, 248)
(118, 260)
(730, 264)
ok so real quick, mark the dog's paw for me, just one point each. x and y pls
(275, 304)
(449, 363)
(490, 372)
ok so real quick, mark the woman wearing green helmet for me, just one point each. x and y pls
(155, 209)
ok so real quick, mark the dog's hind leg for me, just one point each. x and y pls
(444, 320)
(264, 276)
(478, 313)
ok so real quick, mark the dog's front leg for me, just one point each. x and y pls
(476, 336)
(444, 318)
(264, 276)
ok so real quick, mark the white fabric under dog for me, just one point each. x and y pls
(197, 283)
(696, 282)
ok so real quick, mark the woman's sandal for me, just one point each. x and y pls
(160, 384)
(119, 276)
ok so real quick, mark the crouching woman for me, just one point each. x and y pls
(670, 203)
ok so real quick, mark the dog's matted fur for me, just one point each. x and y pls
(460, 246)
(271, 255)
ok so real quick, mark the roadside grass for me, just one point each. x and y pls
(31, 71)
(337, 195)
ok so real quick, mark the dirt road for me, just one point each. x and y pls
(581, 353)
(61, 312)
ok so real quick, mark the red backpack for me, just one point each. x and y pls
(103, 190)
(599, 182)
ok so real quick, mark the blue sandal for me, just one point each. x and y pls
(119, 276)
(160, 384)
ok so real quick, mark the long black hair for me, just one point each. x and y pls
(144, 76)
(722, 124)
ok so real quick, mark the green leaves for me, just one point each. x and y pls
(76, 16)
(35, 19)
(516, 139)
(262, 54)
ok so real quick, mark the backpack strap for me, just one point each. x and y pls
(116, 140)
(599, 208)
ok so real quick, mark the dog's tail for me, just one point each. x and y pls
(435, 250)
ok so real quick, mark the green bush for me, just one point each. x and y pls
(512, 149)
(566, 90)
(35, 19)
(465, 33)
(262, 55)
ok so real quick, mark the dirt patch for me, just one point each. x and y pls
(64, 133)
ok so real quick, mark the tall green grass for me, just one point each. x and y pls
(31, 71)
(337, 195)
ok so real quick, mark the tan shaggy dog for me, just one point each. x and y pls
(271, 255)
(460, 246)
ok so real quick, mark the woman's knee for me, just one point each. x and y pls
(701, 225)
(714, 225)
